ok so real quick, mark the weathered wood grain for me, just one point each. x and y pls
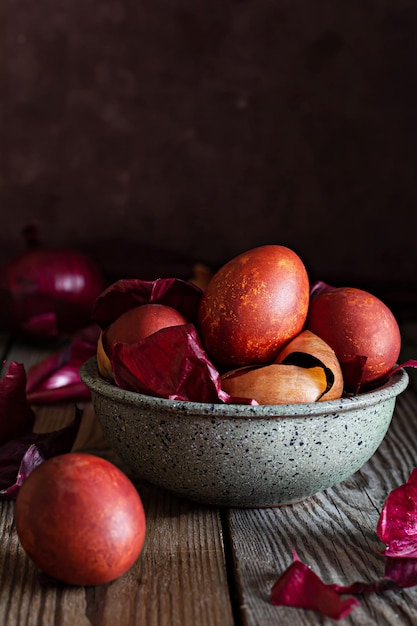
(28, 352)
(179, 579)
(333, 532)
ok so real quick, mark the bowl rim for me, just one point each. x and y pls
(395, 385)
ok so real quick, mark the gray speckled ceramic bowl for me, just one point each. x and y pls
(242, 455)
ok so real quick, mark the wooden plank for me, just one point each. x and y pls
(333, 532)
(180, 578)
(184, 570)
(31, 352)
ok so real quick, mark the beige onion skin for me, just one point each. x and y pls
(253, 305)
(276, 384)
(309, 343)
(103, 362)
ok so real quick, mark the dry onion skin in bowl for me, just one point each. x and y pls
(178, 358)
(153, 339)
(306, 370)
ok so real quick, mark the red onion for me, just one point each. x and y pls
(46, 290)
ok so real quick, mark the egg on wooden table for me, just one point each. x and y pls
(80, 519)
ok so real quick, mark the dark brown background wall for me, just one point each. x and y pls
(211, 127)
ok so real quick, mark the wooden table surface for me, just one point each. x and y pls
(203, 566)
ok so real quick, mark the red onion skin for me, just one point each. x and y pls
(46, 291)
(16, 415)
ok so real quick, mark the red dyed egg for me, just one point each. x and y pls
(80, 519)
(140, 322)
(355, 323)
(134, 325)
(253, 305)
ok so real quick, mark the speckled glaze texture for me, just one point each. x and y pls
(241, 455)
